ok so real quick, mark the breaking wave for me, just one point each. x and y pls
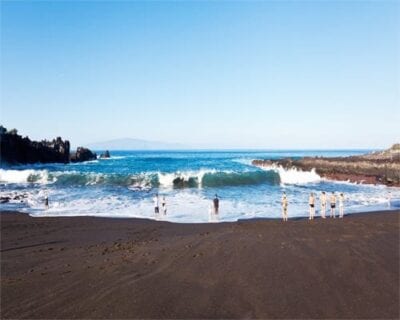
(24, 176)
(293, 175)
(191, 179)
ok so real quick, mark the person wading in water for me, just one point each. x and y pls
(284, 207)
(216, 204)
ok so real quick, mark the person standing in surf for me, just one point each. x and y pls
(341, 205)
(164, 206)
(46, 201)
(333, 205)
(216, 204)
(284, 207)
(156, 204)
(323, 204)
(311, 202)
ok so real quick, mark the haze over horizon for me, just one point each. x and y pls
(266, 75)
(131, 144)
(140, 144)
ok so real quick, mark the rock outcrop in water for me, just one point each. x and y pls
(15, 149)
(20, 197)
(375, 168)
(83, 154)
(105, 155)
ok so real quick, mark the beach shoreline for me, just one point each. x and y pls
(188, 181)
(92, 267)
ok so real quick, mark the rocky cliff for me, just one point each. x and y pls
(15, 149)
(376, 168)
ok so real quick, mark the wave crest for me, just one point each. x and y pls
(192, 179)
(220, 179)
(24, 176)
(293, 175)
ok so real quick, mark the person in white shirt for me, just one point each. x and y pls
(323, 204)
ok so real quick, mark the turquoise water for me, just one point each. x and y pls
(124, 185)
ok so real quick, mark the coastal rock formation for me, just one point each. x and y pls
(16, 149)
(375, 168)
(20, 197)
(105, 155)
(82, 154)
(390, 154)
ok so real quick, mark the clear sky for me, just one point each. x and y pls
(315, 74)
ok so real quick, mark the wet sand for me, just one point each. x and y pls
(85, 267)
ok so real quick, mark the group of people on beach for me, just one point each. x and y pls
(214, 208)
(285, 203)
(323, 202)
(157, 204)
(156, 201)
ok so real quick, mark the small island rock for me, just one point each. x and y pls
(82, 154)
(105, 155)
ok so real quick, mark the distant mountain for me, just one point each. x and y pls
(135, 144)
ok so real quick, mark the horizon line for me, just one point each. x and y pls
(244, 149)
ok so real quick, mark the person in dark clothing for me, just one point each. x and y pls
(216, 204)
(156, 204)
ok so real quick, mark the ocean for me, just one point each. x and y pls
(124, 185)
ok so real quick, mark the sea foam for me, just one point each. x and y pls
(293, 175)
(23, 176)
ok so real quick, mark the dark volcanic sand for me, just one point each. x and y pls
(84, 267)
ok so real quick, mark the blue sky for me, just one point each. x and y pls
(315, 74)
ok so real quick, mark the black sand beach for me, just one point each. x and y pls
(84, 267)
